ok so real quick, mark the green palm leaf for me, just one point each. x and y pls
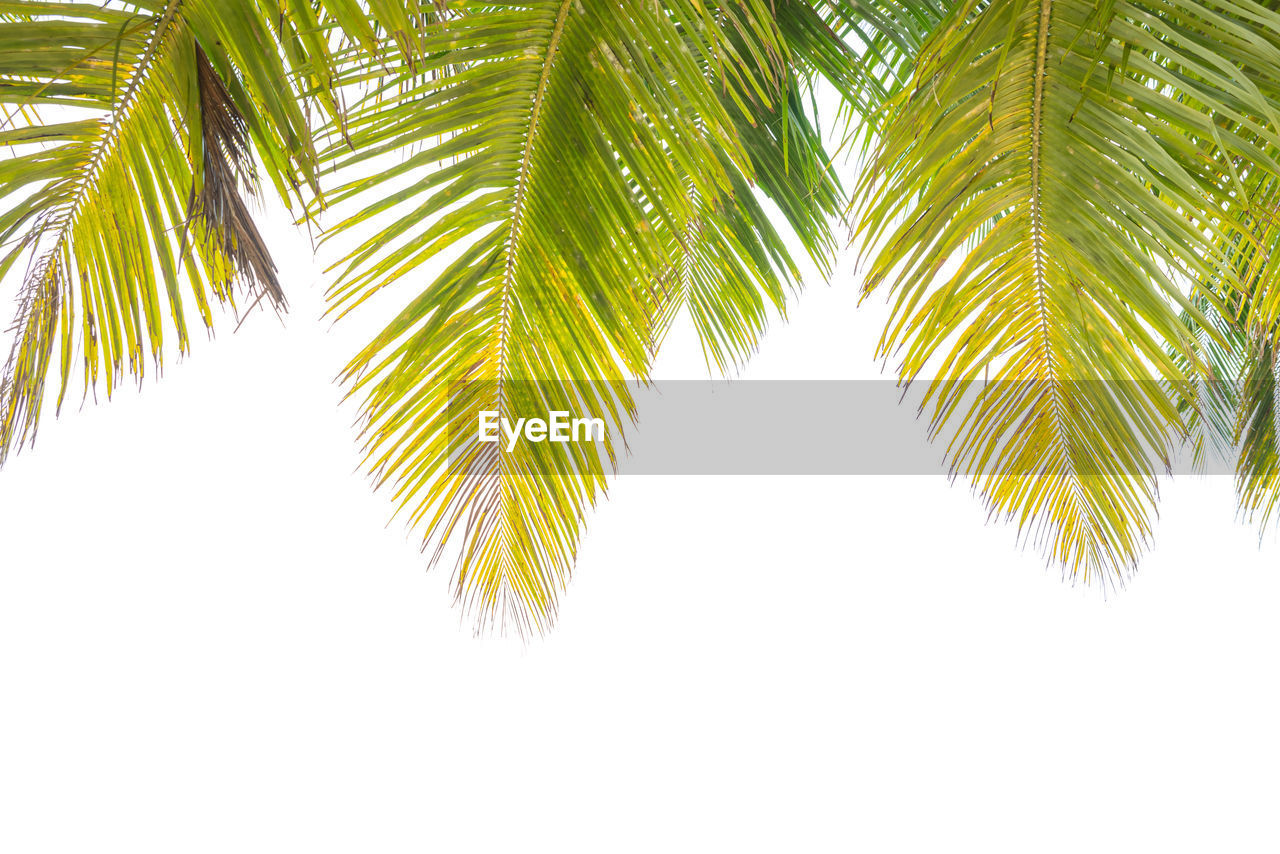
(1043, 194)
(580, 190)
(132, 129)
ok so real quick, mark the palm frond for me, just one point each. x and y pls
(131, 130)
(581, 172)
(1041, 200)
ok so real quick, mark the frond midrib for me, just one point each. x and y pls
(120, 113)
(510, 269)
(1057, 404)
(521, 192)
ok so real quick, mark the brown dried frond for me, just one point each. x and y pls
(219, 207)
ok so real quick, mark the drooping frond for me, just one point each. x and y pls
(578, 171)
(130, 132)
(1058, 174)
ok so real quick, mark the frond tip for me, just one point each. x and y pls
(22, 381)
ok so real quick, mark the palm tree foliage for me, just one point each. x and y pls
(1057, 193)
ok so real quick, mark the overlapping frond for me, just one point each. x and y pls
(1058, 174)
(885, 35)
(1208, 394)
(733, 270)
(1257, 429)
(864, 51)
(1248, 374)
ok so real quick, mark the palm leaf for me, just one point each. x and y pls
(1048, 188)
(579, 190)
(133, 128)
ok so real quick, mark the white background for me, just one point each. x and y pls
(210, 641)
